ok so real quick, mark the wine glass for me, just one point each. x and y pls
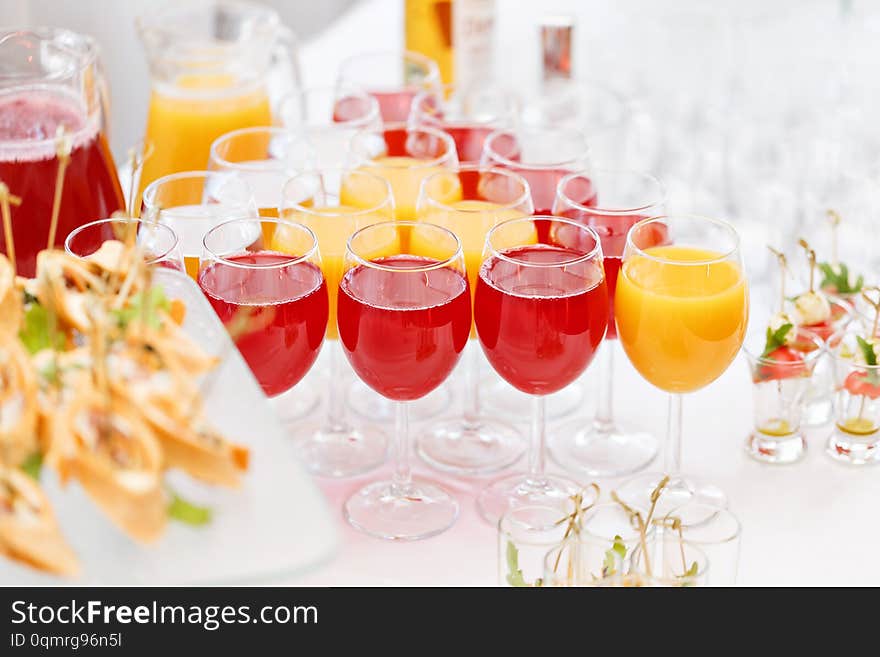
(392, 77)
(265, 157)
(682, 308)
(469, 202)
(605, 447)
(159, 243)
(270, 294)
(541, 311)
(328, 117)
(335, 447)
(404, 316)
(404, 157)
(543, 156)
(467, 113)
(192, 202)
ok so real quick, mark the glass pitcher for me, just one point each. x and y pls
(216, 66)
(52, 96)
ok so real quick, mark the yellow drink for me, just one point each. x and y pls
(681, 325)
(182, 126)
(404, 174)
(860, 426)
(332, 225)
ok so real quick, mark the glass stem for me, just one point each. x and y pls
(672, 455)
(335, 401)
(472, 387)
(536, 440)
(604, 421)
(402, 478)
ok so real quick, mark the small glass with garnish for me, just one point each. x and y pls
(856, 435)
(781, 375)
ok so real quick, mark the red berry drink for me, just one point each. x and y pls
(287, 313)
(29, 166)
(403, 331)
(540, 326)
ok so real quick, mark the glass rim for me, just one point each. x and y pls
(405, 127)
(491, 153)
(598, 210)
(175, 239)
(350, 89)
(850, 362)
(85, 57)
(388, 200)
(150, 190)
(717, 510)
(506, 518)
(525, 197)
(685, 263)
(595, 510)
(214, 158)
(809, 358)
(432, 69)
(458, 255)
(293, 260)
(579, 85)
(417, 112)
(591, 255)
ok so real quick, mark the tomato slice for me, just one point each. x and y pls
(858, 384)
(781, 363)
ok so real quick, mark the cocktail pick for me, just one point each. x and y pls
(642, 523)
(783, 267)
(137, 155)
(7, 199)
(63, 148)
(834, 219)
(574, 518)
(811, 260)
(875, 304)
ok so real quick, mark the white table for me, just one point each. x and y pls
(811, 523)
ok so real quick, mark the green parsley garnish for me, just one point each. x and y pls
(775, 339)
(144, 307)
(188, 513)
(617, 552)
(839, 280)
(38, 333)
(33, 465)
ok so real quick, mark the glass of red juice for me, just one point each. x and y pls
(611, 202)
(392, 77)
(404, 317)
(52, 81)
(158, 242)
(541, 155)
(541, 311)
(468, 114)
(270, 294)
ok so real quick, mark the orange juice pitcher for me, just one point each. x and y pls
(215, 66)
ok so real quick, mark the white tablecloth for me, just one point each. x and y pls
(811, 523)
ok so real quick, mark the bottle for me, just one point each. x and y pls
(457, 34)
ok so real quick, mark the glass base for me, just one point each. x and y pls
(589, 451)
(817, 413)
(852, 449)
(778, 450)
(341, 451)
(297, 403)
(418, 511)
(521, 490)
(470, 449)
(679, 491)
(503, 400)
(369, 404)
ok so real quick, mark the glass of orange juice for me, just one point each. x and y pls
(682, 308)
(210, 64)
(193, 202)
(404, 157)
(470, 202)
(335, 447)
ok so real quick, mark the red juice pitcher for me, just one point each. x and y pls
(52, 100)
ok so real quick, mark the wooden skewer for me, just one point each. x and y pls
(63, 147)
(7, 199)
(835, 220)
(783, 264)
(811, 259)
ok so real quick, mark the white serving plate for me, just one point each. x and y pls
(276, 524)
